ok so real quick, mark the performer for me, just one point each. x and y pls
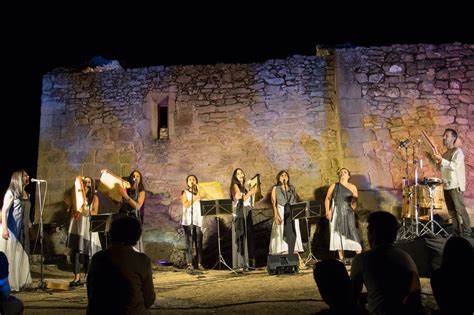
(80, 239)
(192, 221)
(453, 174)
(134, 197)
(12, 243)
(286, 235)
(342, 226)
(242, 225)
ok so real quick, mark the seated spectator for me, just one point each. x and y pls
(457, 267)
(120, 279)
(335, 287)
(389, 273)
(8, 303)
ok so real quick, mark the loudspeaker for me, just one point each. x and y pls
(280, 264)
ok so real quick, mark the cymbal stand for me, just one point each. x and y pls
(428, 228)
(416, 163)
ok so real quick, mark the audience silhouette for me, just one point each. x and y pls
(389, 273)
(457, 267)
(120, 279)
(335, 287)
(8, 303)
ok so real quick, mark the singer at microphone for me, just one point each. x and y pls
(403, 143)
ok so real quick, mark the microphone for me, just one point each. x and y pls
(34, 180)
(416, 142)
(403, 143)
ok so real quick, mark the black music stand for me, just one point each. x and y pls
(306, 210)
(98, 223)
(217, 208)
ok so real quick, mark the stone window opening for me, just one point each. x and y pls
(162, 110)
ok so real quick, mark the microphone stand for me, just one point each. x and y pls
(191, 229)
(335, 207)
(137, 212)
(417, 206)
(41, 283)
(285, 189)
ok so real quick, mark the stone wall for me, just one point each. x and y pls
(388, 94)
(307, 114)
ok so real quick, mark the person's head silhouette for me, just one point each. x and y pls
(125, 230)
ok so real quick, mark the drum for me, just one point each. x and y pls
(424, 196)
(430, 181)
(78, 194)
(408, 204)
(110, 185)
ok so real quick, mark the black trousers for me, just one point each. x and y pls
(193, 236)
(76, 262)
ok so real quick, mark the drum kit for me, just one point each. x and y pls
(419, 202)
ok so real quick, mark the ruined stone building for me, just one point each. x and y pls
(311, 115)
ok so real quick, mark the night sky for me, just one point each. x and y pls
(140, 38)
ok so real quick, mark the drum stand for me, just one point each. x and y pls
(428, 228)
(407, 231)
(410, 228)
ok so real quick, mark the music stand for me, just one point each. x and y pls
(98, 223)
(217, 208)
(306, 210)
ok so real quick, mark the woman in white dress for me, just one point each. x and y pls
(343, 232)
(13, 240)
(80, 239)
(286, 235)
(192, 221)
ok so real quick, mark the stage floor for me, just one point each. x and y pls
(214, 291)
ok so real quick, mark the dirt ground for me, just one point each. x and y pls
(213, 291)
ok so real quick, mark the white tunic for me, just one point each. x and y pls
(196, 212)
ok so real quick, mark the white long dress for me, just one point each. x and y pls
(18, 264)
(277, 244)
(79, 236)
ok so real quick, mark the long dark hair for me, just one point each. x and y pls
(235, 181)
(141, 186)
(197, 182)
(91, 192)
(278, 177)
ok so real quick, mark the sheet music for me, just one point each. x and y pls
(111, 184)
(213, 190)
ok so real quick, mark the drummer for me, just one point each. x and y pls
(453, 174)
